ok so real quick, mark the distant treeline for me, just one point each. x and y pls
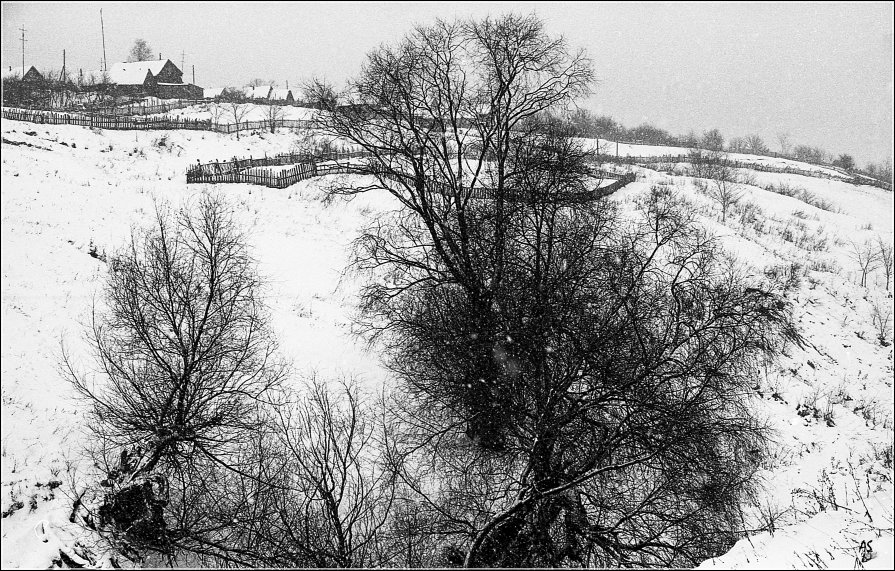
(587, 124)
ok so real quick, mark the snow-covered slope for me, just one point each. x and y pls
(67, 191)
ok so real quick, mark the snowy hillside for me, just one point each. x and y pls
(70, 195)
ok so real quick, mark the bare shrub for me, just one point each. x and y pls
(723, 184)
(802, 194)
(885, 259)
(787, 276)
(325, 495)
(237, 105)
(866, 257)
(881, 316)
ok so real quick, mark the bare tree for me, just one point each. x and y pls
(273, 114)
(216, 110)
(185, 360)
(755, 145)
(884, 255)
(237, 106)
(261, 82)
(724, 187)
(572, 392)
(866, 257)
(809, 154)
(845, 161)
(140, 51)
(713, 140)
(439, 111)
(885, 170)
(319, 93)
(785, 141)
(737, 145)
(574, 449)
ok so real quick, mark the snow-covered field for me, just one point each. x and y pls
(67, 190)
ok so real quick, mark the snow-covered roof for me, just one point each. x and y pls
(280, 94)
(257, 92)
(134, 73)
(16, 71)
(211, 92)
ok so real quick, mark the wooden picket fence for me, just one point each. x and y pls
(124, 122)
(251, 171)
(143, 108)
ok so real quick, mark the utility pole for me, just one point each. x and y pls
(22, 83)
(194, 74)
(102, 27)
(182, 59)
(23, 50)
(63, 66)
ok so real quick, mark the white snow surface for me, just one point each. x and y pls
(256, 112)
(66, 187)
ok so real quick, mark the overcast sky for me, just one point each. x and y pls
(822, 72)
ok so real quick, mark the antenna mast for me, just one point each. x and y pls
(103, 28)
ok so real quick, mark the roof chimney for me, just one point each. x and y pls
(160, 55)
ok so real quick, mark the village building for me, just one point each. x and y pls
(25, 87)
(212, 92)
(259, 93)
(153, 78)
(282, 96)
(28, 74)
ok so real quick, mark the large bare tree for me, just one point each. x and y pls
(573, 392)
